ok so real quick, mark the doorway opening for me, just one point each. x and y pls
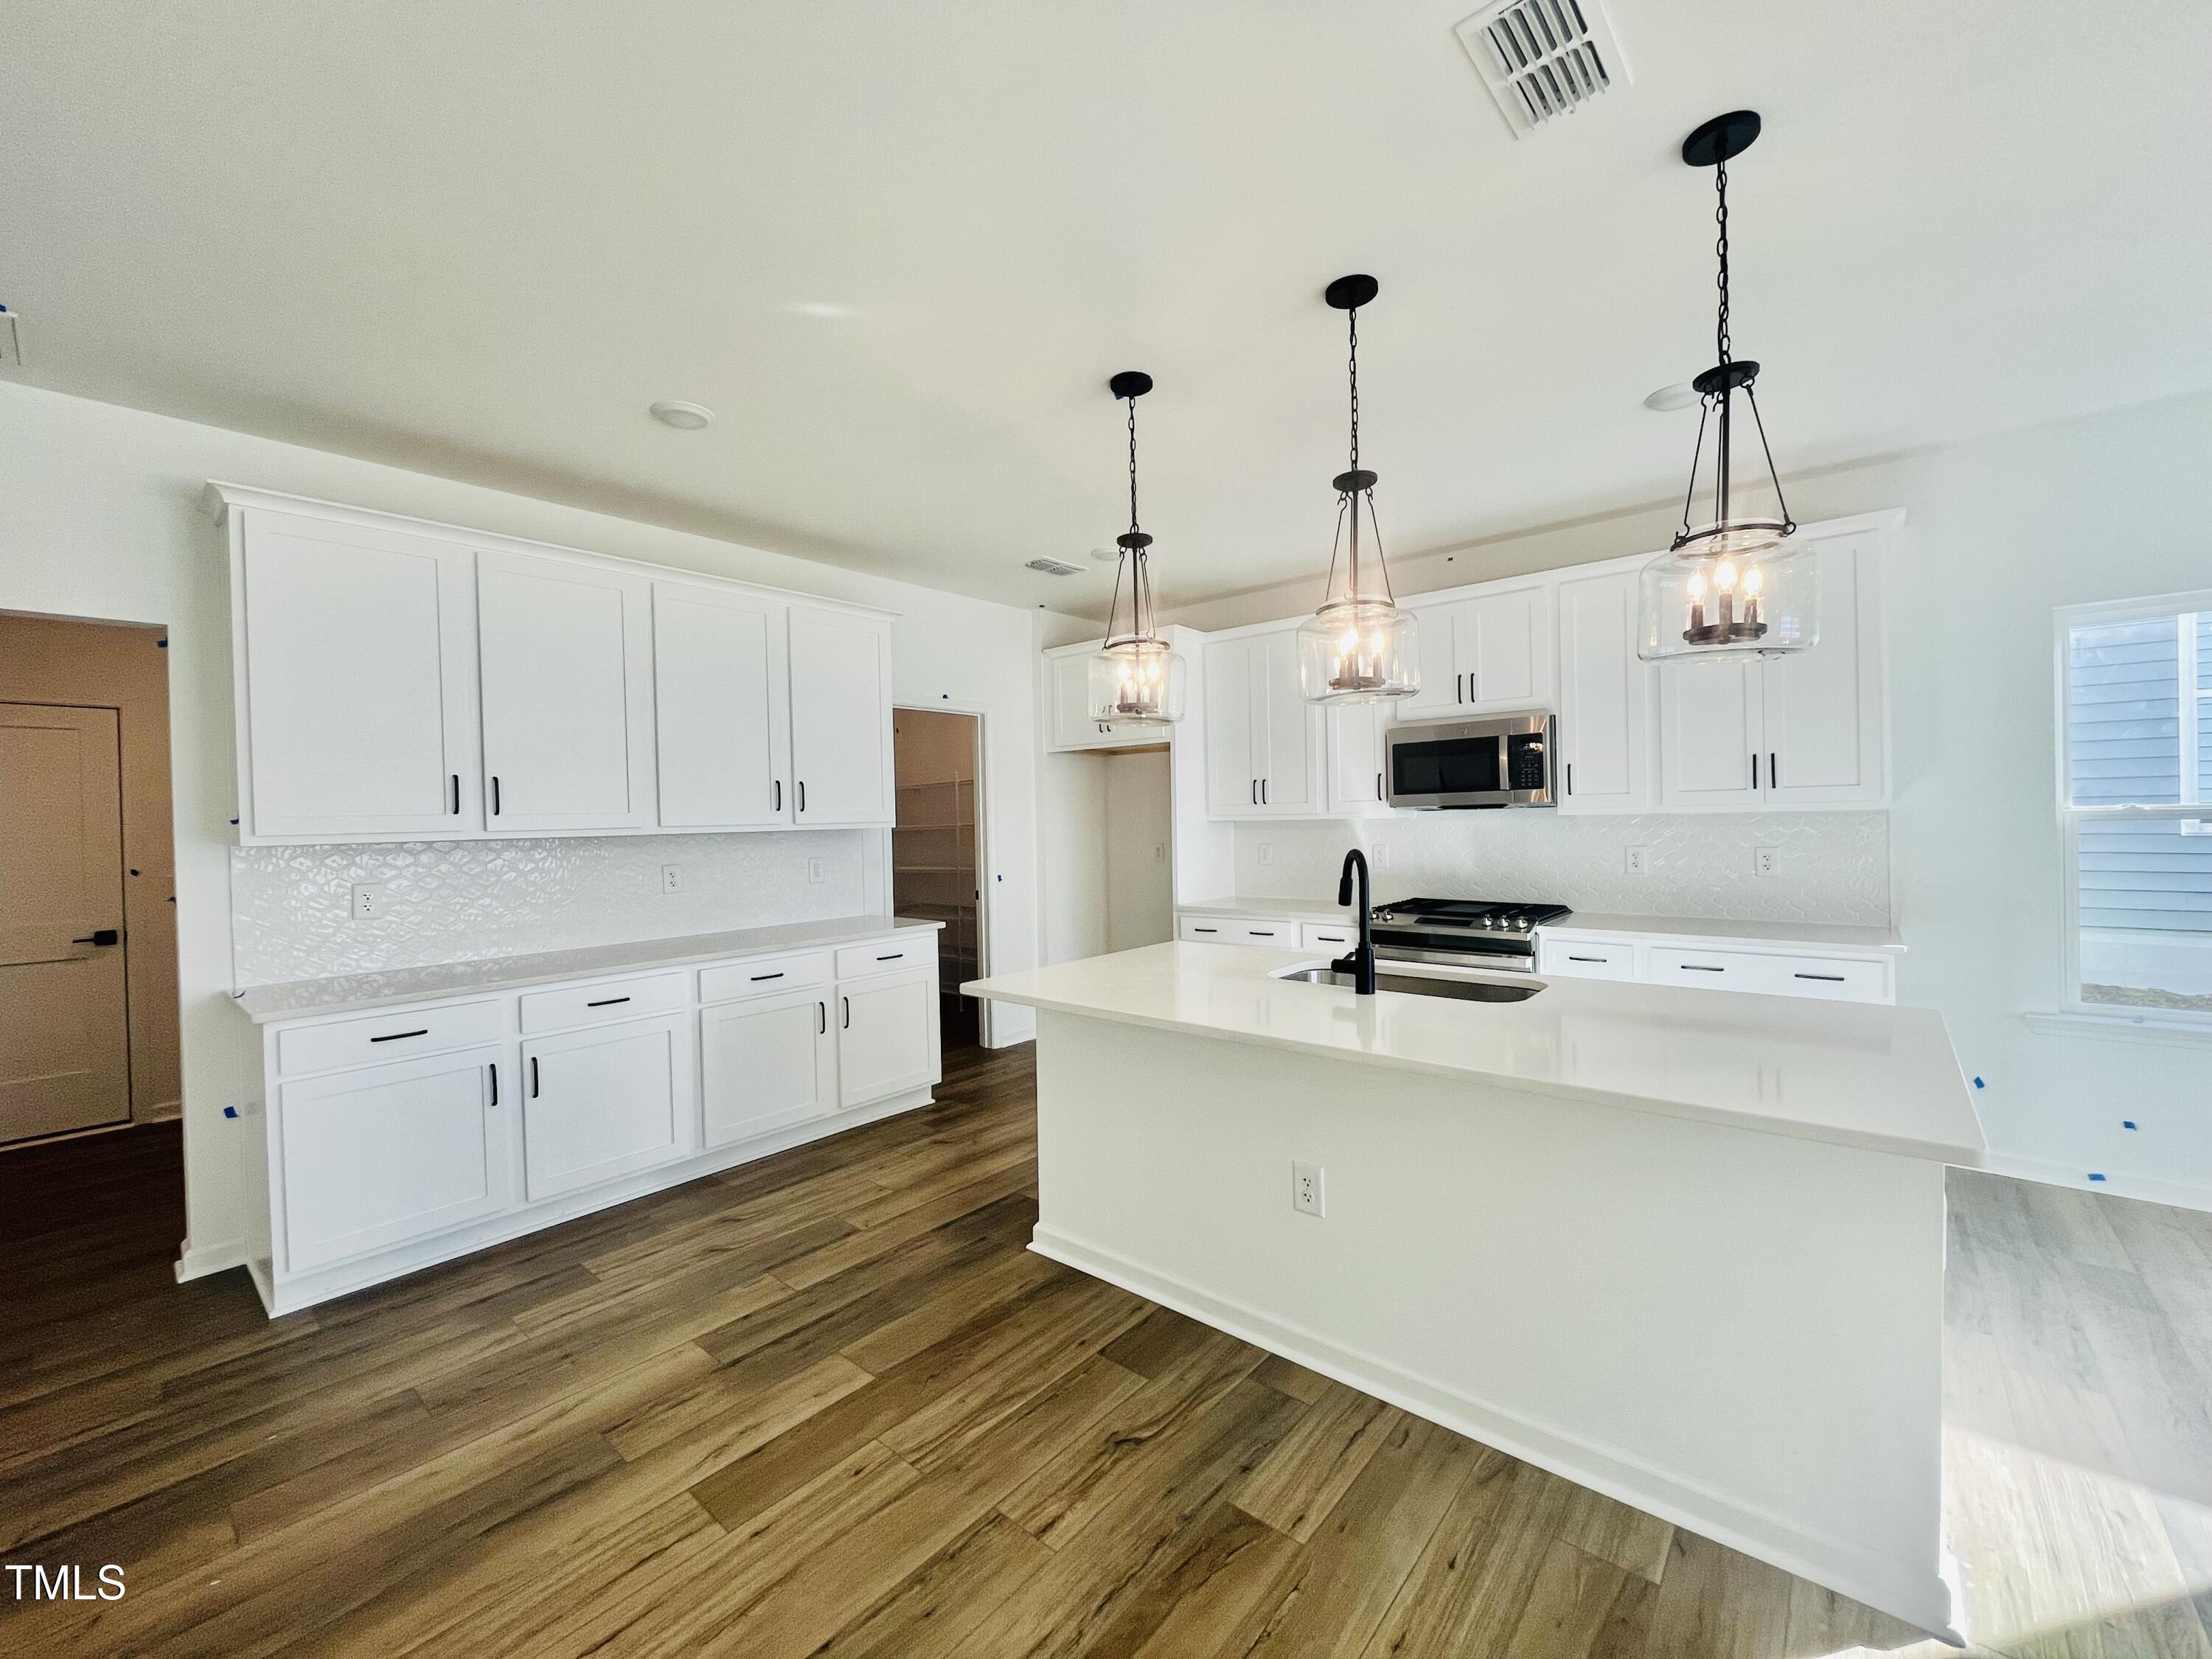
(88, 1008)
(937, 869)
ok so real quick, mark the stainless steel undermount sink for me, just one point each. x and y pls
(1423, 985)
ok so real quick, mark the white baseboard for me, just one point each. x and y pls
(1920, 1598)
(198, 1261)
(2182, 1195)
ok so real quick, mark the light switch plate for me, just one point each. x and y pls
(814, 870)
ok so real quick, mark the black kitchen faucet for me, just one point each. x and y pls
(1360, 964)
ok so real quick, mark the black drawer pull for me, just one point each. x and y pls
(822, 1009)
(802, 794)
(533, 1076)
(1702, 967)
(1831, 979)
(456, 795)
(1205, 929)
(757, 978)
(494, 794)
(847, 1001)
(98, 936)
(494, 1070)
(779, 794)
(395, 1036)
(894, 957)
(1598, 959)
(607, 1002)
(1260, 932)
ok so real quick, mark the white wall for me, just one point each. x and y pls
(100, 518)
(1999, 532)
(1071, 821)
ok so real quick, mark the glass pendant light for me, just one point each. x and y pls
(1735, 586)
(1360, 647)
(1136, 678)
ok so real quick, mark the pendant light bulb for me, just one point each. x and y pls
(1137, 679)
(1737, 553)
(1360, 647)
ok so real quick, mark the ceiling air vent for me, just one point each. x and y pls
(1054, 567)
(1542, 59)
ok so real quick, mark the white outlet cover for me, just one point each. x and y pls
(1633, 860)
(367, 901)
(1267, 852)
(814, 870)
(1765, 860)
(1308, 1179)
(671, 878)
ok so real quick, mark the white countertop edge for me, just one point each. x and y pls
(1834, 1135)
(266, 1005)
(1699, 930)
(1302, 910)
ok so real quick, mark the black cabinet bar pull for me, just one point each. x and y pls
(456, 795)
(778, 793)
(1754, 771)
(1574, 958)
(1262, 933)
(533, 1076)
(1255, 792)
(1773, 770)
(394, 1036)
(494, 1069)
(494, 794)
(1831, 979)
(847, 1001)
(1702, 968)
(757, 978)
(802, 794)
(894, 957)
(1458, 685)
(1571, 777)
(1379, 790)
(607, 1002)
(1263, 792)
(822, 1010)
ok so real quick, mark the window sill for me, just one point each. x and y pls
(2124, 1027)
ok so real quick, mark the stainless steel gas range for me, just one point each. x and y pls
(1462, 933)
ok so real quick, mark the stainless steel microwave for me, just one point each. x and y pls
(1499, 760)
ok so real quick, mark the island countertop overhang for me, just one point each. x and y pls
(1874, 1077)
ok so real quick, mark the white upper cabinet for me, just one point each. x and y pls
(1605, 697)
(1075, 722)
(841, 718)
(1787, 734)
(1488, 653)
(722, 708)
(1263, 740)
(1352, 774)
(566, 652)
(403, 681)
(354, 664)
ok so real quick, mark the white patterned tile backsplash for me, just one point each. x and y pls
(1830, 866)
(461, 901)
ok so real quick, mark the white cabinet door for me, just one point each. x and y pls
(1709, 734)
(1290, 781)
(381, 1155)
(357, 681)
(567, 656)
(604, 1101)
(841, 718)
(722, 715)
(1502, 643)
(1605, 714)
(1354, 758)
(1234, 742)
(1435, 648)
(766, 1064)
(1823, 707)
(886, 1036)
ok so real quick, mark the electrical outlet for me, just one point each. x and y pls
(1632, 861)
(367, 901)
(672, 879)
(815, 869)
(1378, 856)
(1159, 851)
(1765, 860)
(1267, 852)
(1308, 1195)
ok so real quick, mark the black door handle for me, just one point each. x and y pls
(1755, 770)
(1830, 979)
(98, 936)
(395, 1036)
(757, 978)
(607, 1002)
(1571, 777)
(494, 1069)
(822, 1010)
(847, 1001)
(895, 956)
(494, 794)
(533, 1076)
(779, 794)
(1773, 770)
(456, 795)
(1702, 967)
(1378, 786)
(1255, 792)
(1263, 792)
(802, 794)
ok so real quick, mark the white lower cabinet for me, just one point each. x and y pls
(384, 1155)
(1727, 965)
(420, 1132)
(1276, 931)
(604, 1101)
(766, 1064)
(886, 1035)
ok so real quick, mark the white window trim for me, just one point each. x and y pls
(2071, 816)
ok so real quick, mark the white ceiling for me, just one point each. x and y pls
(900, 248)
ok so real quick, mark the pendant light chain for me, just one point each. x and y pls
(1132, 466)
(1721, 248)
(1352, 315)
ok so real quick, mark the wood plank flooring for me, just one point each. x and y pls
(828, 1404)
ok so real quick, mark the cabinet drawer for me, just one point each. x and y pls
(763, 976)
(886, 955)
(609, 999)
(385, 1036)
(1844, 979)
(1586, 958)
(1239, 930)
(1329, 936)
(1713, 970)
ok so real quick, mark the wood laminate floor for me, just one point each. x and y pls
(827, 1404)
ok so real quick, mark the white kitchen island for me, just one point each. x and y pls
(1683, 1248)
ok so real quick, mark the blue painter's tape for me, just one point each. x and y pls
(230, 1111)
(2094, 1176)
(2127, 1123)
(1978, 1084)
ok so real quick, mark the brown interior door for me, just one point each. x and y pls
(64, 1047)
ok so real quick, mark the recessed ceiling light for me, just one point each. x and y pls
(1105, 554)
(685, 417)
(820, 308)
(1669, 397)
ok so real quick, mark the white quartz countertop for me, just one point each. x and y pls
(1586, 924)
(1297, 909)
(1855, 1074)
(303, 999)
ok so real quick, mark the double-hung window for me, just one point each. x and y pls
(2135, 804)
